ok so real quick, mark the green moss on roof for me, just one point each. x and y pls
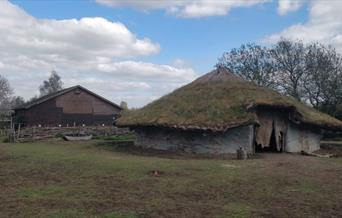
(218, 101)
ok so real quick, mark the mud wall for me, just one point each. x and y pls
(195, 141)
(302, 139)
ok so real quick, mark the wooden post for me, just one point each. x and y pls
(18, 135)
(33, 131)
(11, 132)
(11, 123)
(11, 135)
(241, 154)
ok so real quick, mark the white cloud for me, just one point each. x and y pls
(142, 5)
(324, 25)
(93, 52)
(180, 63)
(149, 71)
(185, 8)
(286, 6)
(70, 39)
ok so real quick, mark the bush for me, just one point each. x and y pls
(59, 135)
(4, 139)
(128, 137)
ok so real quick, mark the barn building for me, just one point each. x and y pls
(73, 106)
(219, 112)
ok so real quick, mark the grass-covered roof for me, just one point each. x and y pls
(217, 101)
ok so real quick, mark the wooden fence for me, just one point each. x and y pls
(9, 129)
(5, 125)
(4, 132)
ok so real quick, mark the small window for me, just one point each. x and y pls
(77, 92)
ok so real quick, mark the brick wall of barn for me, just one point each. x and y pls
(196, 141)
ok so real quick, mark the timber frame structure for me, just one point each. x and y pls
(74, 106)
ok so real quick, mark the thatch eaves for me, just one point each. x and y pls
(218, 101)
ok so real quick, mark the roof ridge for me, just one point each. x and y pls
(219, 74)
(58, 93)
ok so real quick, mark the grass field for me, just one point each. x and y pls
(67, 179)
(332, 142)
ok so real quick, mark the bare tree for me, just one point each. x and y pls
(5, 89)
(124, 105)
(323, 81)
(289, 60)
(5, 94)
(35, 97)
(17, 101)
(7, 101)
(252, 62)
(311, 73)
(53, 84)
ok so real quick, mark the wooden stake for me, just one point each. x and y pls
(18, 131)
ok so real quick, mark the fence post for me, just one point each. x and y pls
(18, 135)
(33, 131)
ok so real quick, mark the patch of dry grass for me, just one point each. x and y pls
(83, 179)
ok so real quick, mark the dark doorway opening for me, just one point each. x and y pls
(272, 146)
(282, 141)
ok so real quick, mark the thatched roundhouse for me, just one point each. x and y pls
(219, 113)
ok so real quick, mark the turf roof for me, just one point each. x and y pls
(218, 101)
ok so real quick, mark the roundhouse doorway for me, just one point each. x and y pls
(270, 135)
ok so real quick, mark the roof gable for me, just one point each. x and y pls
(62, 92)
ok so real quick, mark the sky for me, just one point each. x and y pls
(137, 51)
